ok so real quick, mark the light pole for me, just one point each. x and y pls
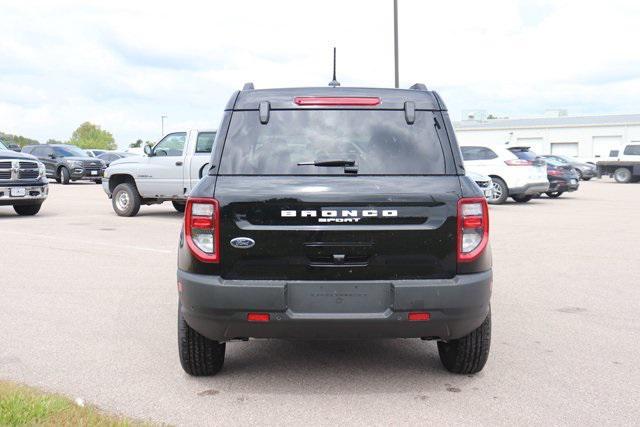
(395, 40)
(162, 126)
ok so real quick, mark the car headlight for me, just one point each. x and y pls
(42, 170)
(75, 164)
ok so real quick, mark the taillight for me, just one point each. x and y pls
(201, 228)
(554, 172)
(518, 162)
(473, 228)
(331, 100)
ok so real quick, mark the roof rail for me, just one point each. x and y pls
(248, 86)
(418, 86)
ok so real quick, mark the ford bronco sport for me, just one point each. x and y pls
(335, 213)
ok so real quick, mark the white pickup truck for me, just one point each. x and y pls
(167, 172)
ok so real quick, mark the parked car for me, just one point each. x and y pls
(111, 156)
(335, 213)
(23, 182)
(13, 146)
(562, 178)
(623, 168)
(66, 163)
(515, 172)
(95, 153)
(585, 170)
(484, 182)
(168, 172)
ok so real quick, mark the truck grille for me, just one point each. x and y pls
(29, 174)
(14, 170)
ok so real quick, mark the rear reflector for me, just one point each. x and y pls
(329, 101)
(419, 316)
(258, 317)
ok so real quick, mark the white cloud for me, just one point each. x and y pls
(123, 64)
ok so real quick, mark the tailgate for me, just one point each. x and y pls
(338, 227)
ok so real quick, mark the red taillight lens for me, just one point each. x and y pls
(258, 317)
(554, 172)
(518, 162)
(201, 228)
(473, 228)
(419, 316)
(329, 101)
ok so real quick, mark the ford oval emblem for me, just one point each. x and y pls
(242, 243)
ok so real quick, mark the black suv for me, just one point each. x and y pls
(335, 213)
(66, 162)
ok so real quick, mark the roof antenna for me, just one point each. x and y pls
(334, 82)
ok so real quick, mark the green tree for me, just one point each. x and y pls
(89, 135)
(17, 139)
(54, 141)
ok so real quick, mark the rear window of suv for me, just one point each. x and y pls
(379, 141)
(524, 153)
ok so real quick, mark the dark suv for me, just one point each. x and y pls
(335, 213)
(67, 163)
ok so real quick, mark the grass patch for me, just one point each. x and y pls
(21, 405)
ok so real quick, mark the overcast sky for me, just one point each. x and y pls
(123, 64)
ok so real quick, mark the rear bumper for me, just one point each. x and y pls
(529, 189)
(218, 308)
(564, 186)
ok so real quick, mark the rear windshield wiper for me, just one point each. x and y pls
(329, 163)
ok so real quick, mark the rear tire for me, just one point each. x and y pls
(522, 199)
(554, 194)
(199, 356)
(179, 206)
(65, 175)
(585, 179)
(27, 210)
(469, 354)
(622, 175)
(579, 172)
(126, 200)
(500, 191)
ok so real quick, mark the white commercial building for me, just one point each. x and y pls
(586, 137)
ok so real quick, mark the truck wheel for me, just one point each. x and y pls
(98, 181)
(622, 175)
(467, 355)
(522, 198)
(64, 175)
(126, 200)
(579, 172)
(500, 191)
(179, 206)
(199, 356)
(27, 209)
(554, 194)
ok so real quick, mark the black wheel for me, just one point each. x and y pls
(622, 175)
(554, 194)
(585, 179)
(179, 206)
(27, 209)
(522, 199)
(64, 175)
(199, 356)
(467, 355)
(58, 180)
(579, 172)
(500, 191)
(126, 200)
(98, 181)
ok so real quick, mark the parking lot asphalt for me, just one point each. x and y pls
(88, 309)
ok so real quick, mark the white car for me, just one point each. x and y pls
(516, 172)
